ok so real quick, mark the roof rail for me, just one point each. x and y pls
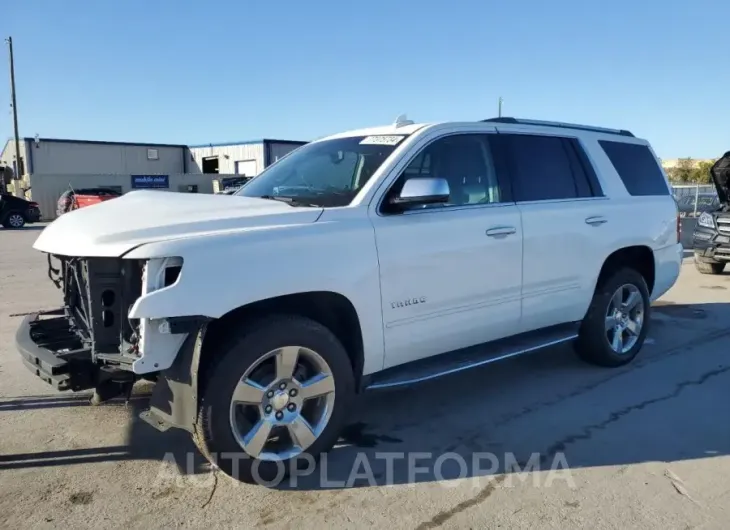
(519, 121)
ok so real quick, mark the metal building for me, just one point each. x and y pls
(73, 157)
(246, 159)
(49, 166)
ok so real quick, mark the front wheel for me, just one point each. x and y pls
(279, 393)
(709, 268)
(14, 220)
(616, 324)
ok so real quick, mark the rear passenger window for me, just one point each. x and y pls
(637, 167)
(548, 168)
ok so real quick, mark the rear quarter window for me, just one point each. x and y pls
(637, 167)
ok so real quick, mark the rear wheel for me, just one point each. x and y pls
(615, 326)
(279, 392)
(709, 268)
(14, 220)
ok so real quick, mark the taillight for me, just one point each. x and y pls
(34, 205)
(679, 228)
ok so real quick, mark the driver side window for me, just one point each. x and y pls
(465, 162)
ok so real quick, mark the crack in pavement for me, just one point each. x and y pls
(683, 348)
(443, 516)
(212, 490)
(562, 444)
(615, 416)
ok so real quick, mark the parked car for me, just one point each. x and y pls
(705, 202)
(16, 212)
(711, 237)
(374, 259)
(74, 199)
(230, 185)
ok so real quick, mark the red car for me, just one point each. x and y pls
(75, 199)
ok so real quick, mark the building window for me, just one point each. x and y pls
(153, 154)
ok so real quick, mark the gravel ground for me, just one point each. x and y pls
(637, 447)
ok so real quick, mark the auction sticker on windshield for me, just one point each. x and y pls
(381, 140)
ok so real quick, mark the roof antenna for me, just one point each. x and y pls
(402, 121)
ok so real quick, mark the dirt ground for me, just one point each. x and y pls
(645, 446)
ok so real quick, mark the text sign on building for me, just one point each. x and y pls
(150, 182)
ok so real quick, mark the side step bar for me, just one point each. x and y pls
(473, 357)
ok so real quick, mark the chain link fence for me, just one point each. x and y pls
(693, 199)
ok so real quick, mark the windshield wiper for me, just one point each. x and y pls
(291, 201)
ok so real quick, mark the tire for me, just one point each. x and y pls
(14, 220)
(594, 338)
(709, 268)
(252, 347)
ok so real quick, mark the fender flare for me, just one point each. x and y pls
(174, 400)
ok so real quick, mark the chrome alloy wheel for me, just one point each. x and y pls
(16, 220)
(282, 404)
(624, 318)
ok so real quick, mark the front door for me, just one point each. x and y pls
(450, 274)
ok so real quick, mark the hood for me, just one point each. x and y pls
(721, 177)
(112, 228)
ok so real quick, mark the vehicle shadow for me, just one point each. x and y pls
(144, 442)
(60, 401)
(541, 411)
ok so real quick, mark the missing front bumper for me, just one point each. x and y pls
(52, 351)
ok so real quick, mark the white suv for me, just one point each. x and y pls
(366, 260)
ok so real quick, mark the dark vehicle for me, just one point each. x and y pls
(82, 197)
(711, 237)
(706, 202)
(230, 185)
(16, 212)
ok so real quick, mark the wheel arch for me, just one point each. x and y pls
(333, 310)
(637, 257)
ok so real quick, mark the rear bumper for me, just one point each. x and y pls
(32, 216)
(667, 264)
(711, 246)
(53, 352)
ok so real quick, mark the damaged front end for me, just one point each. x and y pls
(91, 341)
(711, 236)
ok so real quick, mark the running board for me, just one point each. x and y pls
(473, 357)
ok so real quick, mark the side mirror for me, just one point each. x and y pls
(419, 191)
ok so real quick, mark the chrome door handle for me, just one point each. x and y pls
(596, 221)
(501, 231)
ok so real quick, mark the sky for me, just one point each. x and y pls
(193, 72)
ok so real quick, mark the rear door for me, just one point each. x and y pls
(563, 221)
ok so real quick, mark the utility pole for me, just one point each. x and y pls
(17, 172)
(499, 112)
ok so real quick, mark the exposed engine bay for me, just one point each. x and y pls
(91, 342)
(720, 173)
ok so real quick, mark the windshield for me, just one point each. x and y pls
(327, 173)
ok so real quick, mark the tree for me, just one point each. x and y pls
(683, 171)
(701, 172)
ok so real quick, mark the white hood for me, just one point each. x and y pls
(114, 227)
